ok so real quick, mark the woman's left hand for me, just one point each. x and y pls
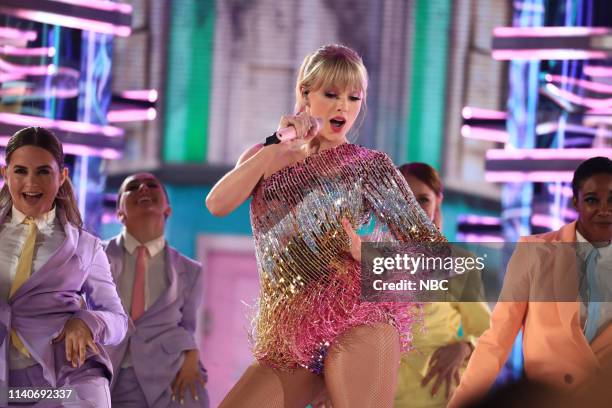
(445, 364)
(354, 240)
(78, 337)
(189, 375)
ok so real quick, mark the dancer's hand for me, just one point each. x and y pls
(78, 337)
(445, 364)
(354, 240)
(189, 375)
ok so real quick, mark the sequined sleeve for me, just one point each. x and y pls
(388, 195)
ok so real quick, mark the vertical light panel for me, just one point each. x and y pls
(93, 104)
(428, 81)
(50, 102)
(517, 198)
(189, 75)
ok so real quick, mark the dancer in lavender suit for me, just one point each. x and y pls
(49, 337)
(158, 363)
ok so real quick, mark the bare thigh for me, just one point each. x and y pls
(262, 386)
(361, 367)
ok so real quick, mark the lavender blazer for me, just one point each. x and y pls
(160, 336)
(40, 308)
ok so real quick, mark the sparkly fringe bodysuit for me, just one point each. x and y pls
(310, 284)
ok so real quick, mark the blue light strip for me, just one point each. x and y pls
(521, 123)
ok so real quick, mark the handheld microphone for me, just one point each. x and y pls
(288, 133)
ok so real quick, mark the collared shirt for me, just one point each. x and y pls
(13, 234)
(156, 279)
(604, 281)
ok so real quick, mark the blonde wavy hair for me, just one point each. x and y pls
(331, 65)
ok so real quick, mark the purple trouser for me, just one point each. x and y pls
(89, 383)
(128, 394)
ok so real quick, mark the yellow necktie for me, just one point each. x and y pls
(22, 274)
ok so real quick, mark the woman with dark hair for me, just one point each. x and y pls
(425, 179)
(48, 265)
(556, 291)
(440, 354)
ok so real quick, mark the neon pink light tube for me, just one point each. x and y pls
(549, 221)
(479, 219)
(131, 115)
(25, 69)
(548, 54)
(595, 120)
(65, 125)
(123, 8)
(27, 52)
(522, 177)
(37, 69)
(593, 103)
(149, 95)
(480, 133)
(14, 34)
(547, 154)
(590, 85)
(596, 71)
(546, 221)
(462, 237)
(10, 77)
(470, 112)
(53, 92)
(603, 111)
(561, 31)
(79, 150)
(72, 22)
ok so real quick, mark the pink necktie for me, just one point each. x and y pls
(138, 291)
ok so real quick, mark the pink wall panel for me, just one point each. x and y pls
(231, 286)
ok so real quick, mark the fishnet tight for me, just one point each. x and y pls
(360, 371)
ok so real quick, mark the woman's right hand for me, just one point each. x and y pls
(236, 186)
(306, 127)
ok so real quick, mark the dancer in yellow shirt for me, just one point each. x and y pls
(429, 373)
